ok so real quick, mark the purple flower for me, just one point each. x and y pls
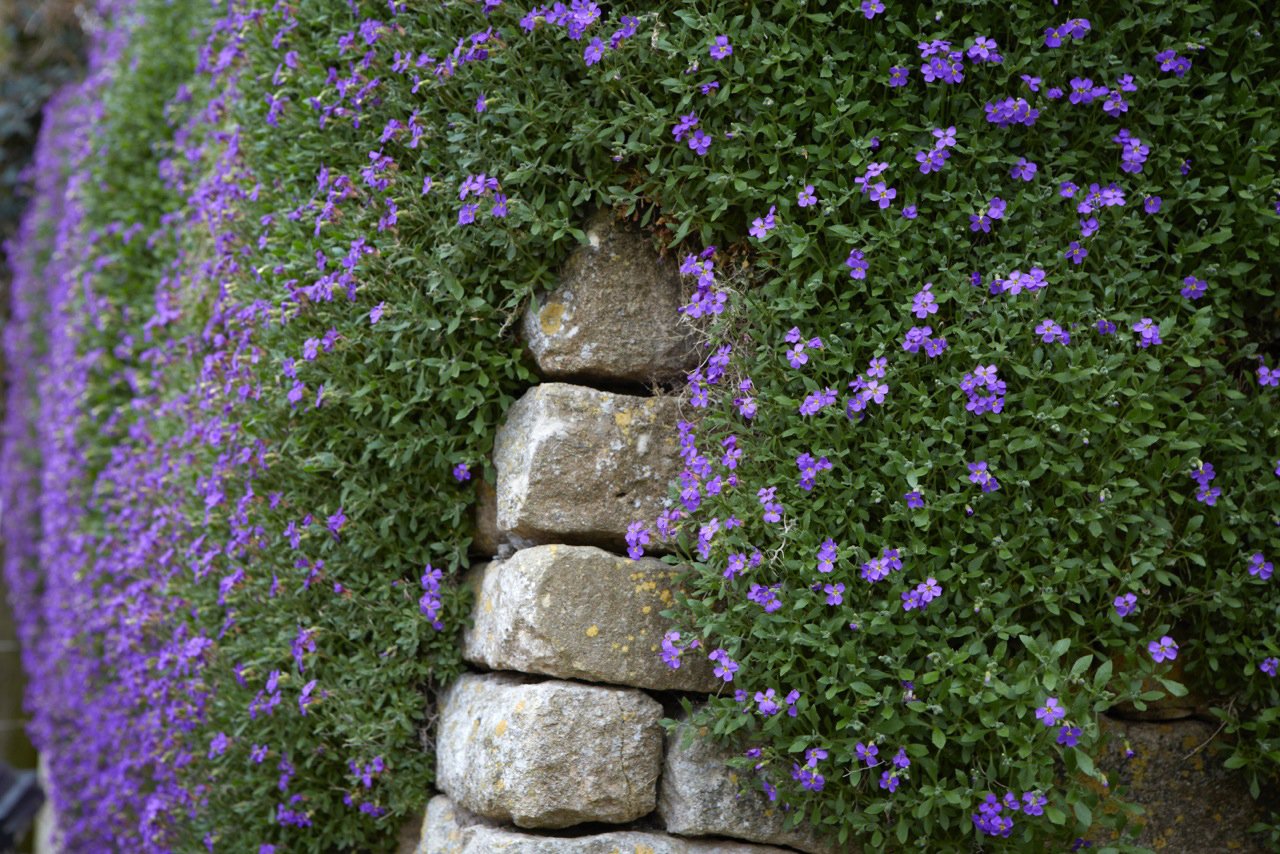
(889, 780)
(1024, 169)
(1150, 332)
(1051, 712)
(883, 194)
(980, 474)
(1269, 666)
(1106, 327)
(699, 142)
(898, 76)
(1069, 736)
(721, 48)
(827, 555)
(1076, 253)
(818, 401)
(375, 313)
(594, 52)
(915, 500)
(1260, 567)
(218, 745)
(923, 303)
(682, 127)
(806, 197)
(461, 472)
(766, 703)
(909, 212)
(765, 597)
(467, 214)
(867, 753)
(1164, 649)
(1268, 376)
(833, 592)
(871, 8)
(1193, 288)
(637, 538)
(725, 666)
(761, 226)
(1125, 604)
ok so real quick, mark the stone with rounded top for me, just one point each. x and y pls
(578, 612)
(614, 316)
(548, 754)
(576, 465)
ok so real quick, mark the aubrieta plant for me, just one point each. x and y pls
(985, 441)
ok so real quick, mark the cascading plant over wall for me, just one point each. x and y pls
(986, 436)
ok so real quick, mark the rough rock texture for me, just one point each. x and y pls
(449, 829)
(548, 754)
(579, 613)
(699, 797)
(614, 315)
(487, 542)
(576, 465)
(1193, 804)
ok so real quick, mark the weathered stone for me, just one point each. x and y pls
(579, 613)
(576, 465)
(699, 796)
(614, 315)
(1193, 804)
(449, 829)
(487, 541)
(548, 754)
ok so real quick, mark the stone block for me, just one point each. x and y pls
(699, 797)
(614, 316)
(578, 612)
(548, 754)
(1193, 804)
(448, 829)
(576, 465)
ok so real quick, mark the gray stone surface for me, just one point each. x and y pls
(614, 315)
(1193, 804)
(576, 465)
(448, 829)
(548, 754)
(578, 612)
(699, 797)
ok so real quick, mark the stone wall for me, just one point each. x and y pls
(553, 743)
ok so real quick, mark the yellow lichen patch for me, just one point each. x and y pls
(520, 706)
(646, 609)
(551, 318)
(626, 649)
(641, 848)
(592, 631)
(665, 596)
(500, 729)
(488, 605)
(623, 419)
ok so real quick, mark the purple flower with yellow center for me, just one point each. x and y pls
(699, 142)
(883, 194)
(1193, 288)
(889, 780)
(1150, 332)
(637, 538)
(687, 123)
(1268, 376)
(725, 666)
(915, 500)
(932, 160)
(857, 264)
(1260, 567)
(1151, 204)
(806, 197)
(1076, 253)
(1126, 604)
(1051, 712)
(1269, 666)
(594, 52)
(923, 303)
(1069, 736)
(867, 753)
(1164, 649)
(827, 555)
(834, 593)
(765, 597)
(766, 702)
(871, 8)
(461, 472)
(1049, 331)
(721, 48)
(761, 226)
(898, 76)
(980, 474)
(1024, 169)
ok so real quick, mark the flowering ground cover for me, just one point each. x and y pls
(985, 440)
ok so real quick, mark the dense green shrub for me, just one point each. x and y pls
(280, 326)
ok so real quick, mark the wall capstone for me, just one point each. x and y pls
(548, 754)
(577, 465)
(613, 317)
(699, 797)
(452, 830)
(578, 612)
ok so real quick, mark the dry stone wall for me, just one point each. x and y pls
(553, 743)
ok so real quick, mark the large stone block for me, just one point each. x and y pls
(579, 613)
(548, 754)
(699, 796)
(449, 829)
(576, 465)
(1193, 804)
(614, 315)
